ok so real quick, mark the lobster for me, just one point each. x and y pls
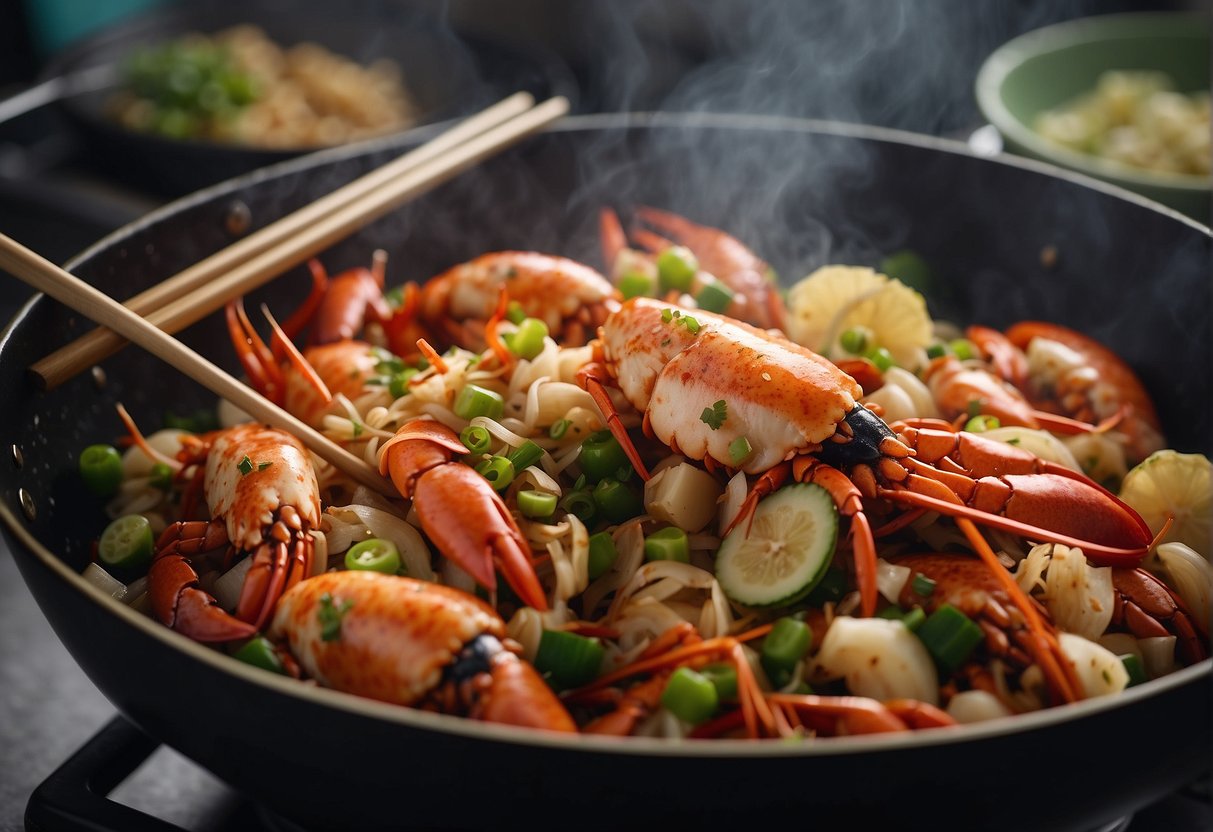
(1148, 608)
(264, 500)
(334, 362)
(1064, 372)
(453, 307)
(756, 297)
(413, 643)
(798, 415)
(459, 511)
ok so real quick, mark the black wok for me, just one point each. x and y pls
(802, 193)
(447, 75)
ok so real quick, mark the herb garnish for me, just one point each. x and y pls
(715, 415)
(330, 616)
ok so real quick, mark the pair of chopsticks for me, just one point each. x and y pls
(208, 285)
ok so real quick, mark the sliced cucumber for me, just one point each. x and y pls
(780, 556)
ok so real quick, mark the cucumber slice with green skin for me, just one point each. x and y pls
(127, 542)
(784, 552)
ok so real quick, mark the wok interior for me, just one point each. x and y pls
(1125, 273)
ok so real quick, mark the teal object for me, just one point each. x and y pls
(1051, 66)
(56, 23)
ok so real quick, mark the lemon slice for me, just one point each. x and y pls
(782, 553)
(1169, 483)
(834, 299)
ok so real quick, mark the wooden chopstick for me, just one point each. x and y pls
(199, 290)
(73, 292)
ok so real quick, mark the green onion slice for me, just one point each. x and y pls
(567, 659)
(690, 696)
(101, 469)
(374, 555)
(950, 637)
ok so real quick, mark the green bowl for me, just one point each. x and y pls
(1048, 67)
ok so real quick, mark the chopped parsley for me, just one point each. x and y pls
(261, 466)
(715, 415)
(329, 615)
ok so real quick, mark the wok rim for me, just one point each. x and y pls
(313, 695)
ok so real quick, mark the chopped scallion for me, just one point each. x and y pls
(783, 647)
(669, 543)
(498, 470)
(101, 469)
(602, 554)
(568, 660)
(474, 401)
(690, 696)
(740, 450)
(526, 455)
(950, 637)
(537, 505)
(714, 297)
(476, 439)
(635, 284)
(922, 585)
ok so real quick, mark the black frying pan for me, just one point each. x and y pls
(803, 194)
(447, 75)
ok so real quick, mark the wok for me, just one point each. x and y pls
(447, 75)
(803, 193)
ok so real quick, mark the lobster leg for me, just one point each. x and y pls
(590, 377)
(173, 591)
(1018, 493)
(256, 358)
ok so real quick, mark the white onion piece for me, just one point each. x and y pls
(134, 589)
(1191, 576)
(1100, 670)
(891, 579)
(894, 403)
(414, 554)
(227, 588)
(976, 706)
(732, 499)
(136, 463)
(1158, 655)
(920, 395)
(104, 581)
(683, 495)
(1079, 596)
(1040, 442)
(878, 658)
